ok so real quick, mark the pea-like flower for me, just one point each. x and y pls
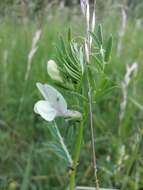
(53, 71)
(54, 104)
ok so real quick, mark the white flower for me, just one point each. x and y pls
(53, 71)
(54, 104)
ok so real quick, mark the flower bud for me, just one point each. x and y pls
(53, 71)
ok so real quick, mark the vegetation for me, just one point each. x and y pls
(26, 159)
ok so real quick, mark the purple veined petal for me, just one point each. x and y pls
(44, 109)
(55, 98)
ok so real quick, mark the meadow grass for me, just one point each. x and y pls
(25, 162)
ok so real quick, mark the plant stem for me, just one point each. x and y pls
(92, 138)
(76, 156)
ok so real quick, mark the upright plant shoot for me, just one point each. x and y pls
(73, 70)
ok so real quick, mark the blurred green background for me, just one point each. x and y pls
(25, 161)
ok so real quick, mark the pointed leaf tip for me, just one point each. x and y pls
(108, 49)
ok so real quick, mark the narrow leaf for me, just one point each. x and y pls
(95, 38)
(100, 34)
(69, 35)
(61, 150)
(26, 177)
(108, 49)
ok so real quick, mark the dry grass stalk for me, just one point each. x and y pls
(129, 71)
(122, 30)
(90, 26)
(32, 52)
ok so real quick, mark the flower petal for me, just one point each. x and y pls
(53, 71)
(44, 109)
(73, 114)
(55, 98)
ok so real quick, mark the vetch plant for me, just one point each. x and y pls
(77, 67)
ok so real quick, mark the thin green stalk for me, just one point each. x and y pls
(92, 130)
(76, 156)
(92, 139)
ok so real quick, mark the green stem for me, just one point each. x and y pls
(76, 156)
